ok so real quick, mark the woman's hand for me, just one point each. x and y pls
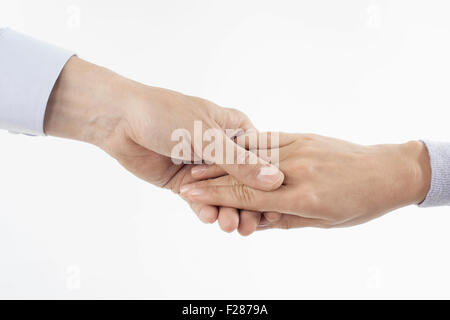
(328, 183)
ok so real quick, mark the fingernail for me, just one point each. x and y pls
(189, 190)
(198, 170)
(185, 188)
(269, 174)
(194, 192)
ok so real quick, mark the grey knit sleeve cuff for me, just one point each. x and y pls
(439, 193)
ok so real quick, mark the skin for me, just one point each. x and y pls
(328, 183)
(133, 123)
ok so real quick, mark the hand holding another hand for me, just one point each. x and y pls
(134, 123)
(328, 183)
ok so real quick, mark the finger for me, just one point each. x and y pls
(269, 217)
(234, 118)
(272, 217)
(242, 164)
(206, 213)
(226, 192)
(205, 171)
(248, 222)
(288, 221)
(209, 171)
(270, 155)
(228, 219)
(253, 140)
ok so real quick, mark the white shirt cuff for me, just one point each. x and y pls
(29, 69)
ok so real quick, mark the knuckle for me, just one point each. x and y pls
(309, 144)
(214, 192)
(243, 193)
(309, 137)
(311, 199)
(305, 169)
(307, 200)
(236, 112)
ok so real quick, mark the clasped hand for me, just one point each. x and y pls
(317, 181)
(328, 183)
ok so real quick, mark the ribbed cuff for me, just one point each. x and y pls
(439, 193)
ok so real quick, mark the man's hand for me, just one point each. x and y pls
(128, 120)
(328, 183)
(134, 124)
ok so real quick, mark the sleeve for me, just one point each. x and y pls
(439, 193)
(29, 69)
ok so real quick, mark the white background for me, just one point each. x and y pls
(74, 224)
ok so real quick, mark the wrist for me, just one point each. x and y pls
(419, 170)
(86, 103)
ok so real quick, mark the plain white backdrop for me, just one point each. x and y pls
(75, 224)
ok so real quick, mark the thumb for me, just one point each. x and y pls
(248, 168)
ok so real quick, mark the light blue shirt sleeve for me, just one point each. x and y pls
(29, 69)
